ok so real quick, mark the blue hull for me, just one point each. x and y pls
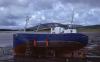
(69, 37)
(42, 45)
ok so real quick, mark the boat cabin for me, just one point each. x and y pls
(57, 30)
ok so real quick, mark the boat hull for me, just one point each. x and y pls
(48, 45)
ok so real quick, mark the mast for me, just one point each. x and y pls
(26, 23)
(72, 19)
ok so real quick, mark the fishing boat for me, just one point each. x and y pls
(48, 44)
(58, 43)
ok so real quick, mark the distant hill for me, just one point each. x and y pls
(8, 30)
(49, 25)
(92, 26)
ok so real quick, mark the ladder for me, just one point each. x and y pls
(28, 51)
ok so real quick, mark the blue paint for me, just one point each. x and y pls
(76, 37)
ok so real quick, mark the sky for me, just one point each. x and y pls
(15, 12)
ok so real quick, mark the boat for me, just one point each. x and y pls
(48, 44)
(58, 43)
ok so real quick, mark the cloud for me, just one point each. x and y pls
(7, 23)
(94, 3)
(14, 12)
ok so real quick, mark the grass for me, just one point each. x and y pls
(88, 30)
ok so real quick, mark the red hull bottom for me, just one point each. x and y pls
(47, 51)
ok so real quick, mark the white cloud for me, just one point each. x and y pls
(43, 11)
(2, 8)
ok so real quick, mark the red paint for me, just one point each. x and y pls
(47, 42)
(34, 43)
